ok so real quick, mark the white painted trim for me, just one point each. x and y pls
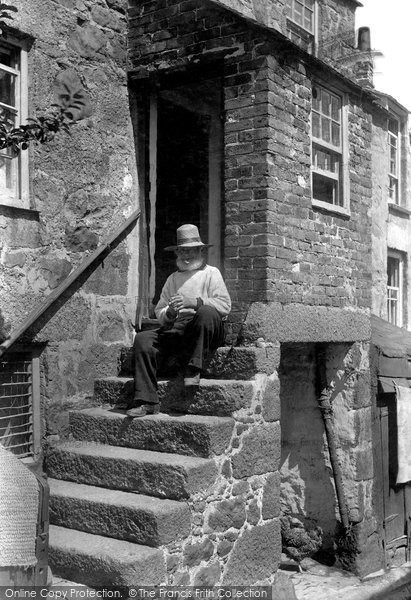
(341, 210)
(214, 190)
(401, 283)
(341, 150)
(21, 197)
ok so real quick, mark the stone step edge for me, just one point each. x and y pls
(213, 397)
(133, 517)
(227, 362)
(83, 557)
(162, 475)
(190, 435)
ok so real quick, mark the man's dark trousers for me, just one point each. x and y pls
(189, 340)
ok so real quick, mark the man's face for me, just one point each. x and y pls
(189, 259)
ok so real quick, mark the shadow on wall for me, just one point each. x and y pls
(4, 329)
(307, 489)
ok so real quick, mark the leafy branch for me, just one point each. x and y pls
(5, 10)
(40, 130)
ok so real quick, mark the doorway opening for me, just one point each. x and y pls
(185, 155)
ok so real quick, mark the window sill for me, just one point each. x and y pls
(332, 208)
(395, 208)
(8, 210)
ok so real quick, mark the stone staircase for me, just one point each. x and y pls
(171, 498)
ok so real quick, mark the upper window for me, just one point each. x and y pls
(327, 131)
(395, 287)
(301, 22)
(13, 108)
(394, 161)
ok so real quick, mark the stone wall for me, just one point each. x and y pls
(390, 225)
(336, 30)
(235, 536)
(82, 187)
(277, 247)
(307, 485)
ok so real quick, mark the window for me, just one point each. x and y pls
(13, 108)
(394, 163)
(301, 22)
(395, 287)
(20, 402)
(327, 148)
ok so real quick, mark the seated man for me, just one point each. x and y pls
(192, 303)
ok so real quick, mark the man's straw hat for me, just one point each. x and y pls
(188, 237)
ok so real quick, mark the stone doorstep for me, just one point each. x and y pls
(213, 397)
(98, 561)
(191, 435)
(228, 362)
(158, 474)
(112, 513)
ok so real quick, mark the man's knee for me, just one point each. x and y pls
(144, 342)
(207, 314)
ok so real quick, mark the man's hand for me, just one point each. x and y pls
(176, 303)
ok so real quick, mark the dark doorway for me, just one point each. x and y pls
(185, 172)
(182, 180)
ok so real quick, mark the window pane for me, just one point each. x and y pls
(326, 161)
(336, 108)
(326, 103)
(8, 175)
(316, 98)
(393, 271)
(393, 126)
(298, 12)
(316, 125)
(326, 129)
(393, 189)
(8, 57)
(325, 189)
(308, 19)
(335, 134)
(7, 88)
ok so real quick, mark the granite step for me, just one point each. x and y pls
(192, 435)
(158, 474)
(98, 561)
(216, 397)
(227, 362)
(113, 513)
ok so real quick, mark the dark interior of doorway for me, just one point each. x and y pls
(182, 180)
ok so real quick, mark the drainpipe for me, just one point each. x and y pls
(326, 411)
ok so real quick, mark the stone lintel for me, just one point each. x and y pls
(302, 323)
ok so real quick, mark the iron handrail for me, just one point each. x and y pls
(99, 253)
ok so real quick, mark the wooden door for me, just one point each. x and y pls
(396, 499)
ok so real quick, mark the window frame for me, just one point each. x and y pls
(20, 196)
(398, 301)
(341, 151)
(296, 29)
(394, 176)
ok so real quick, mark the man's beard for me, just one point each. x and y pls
(193, 264)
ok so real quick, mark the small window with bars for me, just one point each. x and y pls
(394, 162)
(395, 287)
(19, 416)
